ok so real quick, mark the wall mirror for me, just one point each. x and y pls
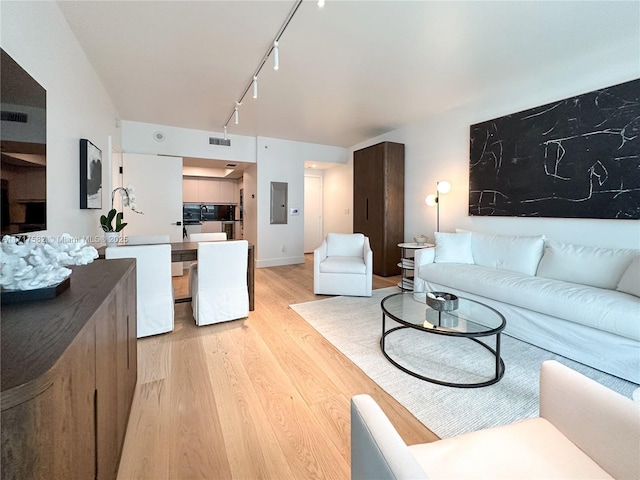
(278, 203)
(23, 149)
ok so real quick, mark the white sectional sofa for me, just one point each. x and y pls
(577, 301)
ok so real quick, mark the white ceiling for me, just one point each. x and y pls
(348, 72)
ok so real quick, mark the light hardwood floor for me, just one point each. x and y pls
(266, 397)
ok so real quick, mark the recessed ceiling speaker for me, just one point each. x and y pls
(158, 136)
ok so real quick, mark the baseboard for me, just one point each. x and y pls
(277, 262)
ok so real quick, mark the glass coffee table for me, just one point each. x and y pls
(470, 321)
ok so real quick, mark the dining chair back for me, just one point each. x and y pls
(207, 237)
(154, 290)
(146, 239)
(219, 289)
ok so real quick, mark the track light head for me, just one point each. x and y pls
(255, 86)
(276, 57)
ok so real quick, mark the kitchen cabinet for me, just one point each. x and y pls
(209, 190)
(378, 202)
(68, 373)
(190, 190)
(228, 191)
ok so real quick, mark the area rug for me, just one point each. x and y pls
(354, 325)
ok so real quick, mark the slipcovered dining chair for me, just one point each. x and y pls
(219, 289)
(146, 239)
(204, 237)
(343, 265)
(154, 290)
(207, 237)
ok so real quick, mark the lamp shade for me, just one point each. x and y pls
(444, 186)
(431, 200)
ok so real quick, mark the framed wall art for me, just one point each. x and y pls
(90, 175)
(573, 158)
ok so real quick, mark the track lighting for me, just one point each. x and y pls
(276, 58)
(225, 132)
(272, 50)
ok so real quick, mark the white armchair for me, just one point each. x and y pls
(219, 290)
(584, 430)
(153, 284)
(343, 265)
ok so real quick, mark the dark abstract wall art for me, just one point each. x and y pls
(574, 158)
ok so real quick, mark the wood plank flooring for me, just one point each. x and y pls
(266, 397)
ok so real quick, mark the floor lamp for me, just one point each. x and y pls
(433, 200)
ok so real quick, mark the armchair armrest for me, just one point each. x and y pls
(319, 254)
(368, 256)
(423, 256)
(377, 450)
(602, 423)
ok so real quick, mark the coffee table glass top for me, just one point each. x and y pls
(471, 318)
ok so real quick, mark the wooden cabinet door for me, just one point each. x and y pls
(107, 388)
(190, 190)
(52, 434)
(378, 202)
(228, 191)
(126, 364)
(209, 190)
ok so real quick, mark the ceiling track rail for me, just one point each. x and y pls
(263, 61)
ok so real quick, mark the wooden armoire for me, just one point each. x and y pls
(378, 202)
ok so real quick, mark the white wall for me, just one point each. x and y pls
(338, 198)
(438, 149)
(283, 161)
(138, 137)
(36, 36)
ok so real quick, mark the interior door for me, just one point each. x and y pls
(313, 233)
(157, 181)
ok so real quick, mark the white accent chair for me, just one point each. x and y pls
(146, 239)
(155, 301)
(207, 237)
(584, 430)
(343, 265)
(219, 290)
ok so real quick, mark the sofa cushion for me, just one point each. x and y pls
(453, 248)
(531, 448)
(345, 244)
(507, 252)
(343, 265)
(630, 281)
(595, 266)
(603, 309)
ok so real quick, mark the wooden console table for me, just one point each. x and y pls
(68, 374)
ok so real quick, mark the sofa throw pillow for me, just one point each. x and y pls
(630, 281)
(594, 266)
(345, 244)
(453, 248)
(507, 252)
